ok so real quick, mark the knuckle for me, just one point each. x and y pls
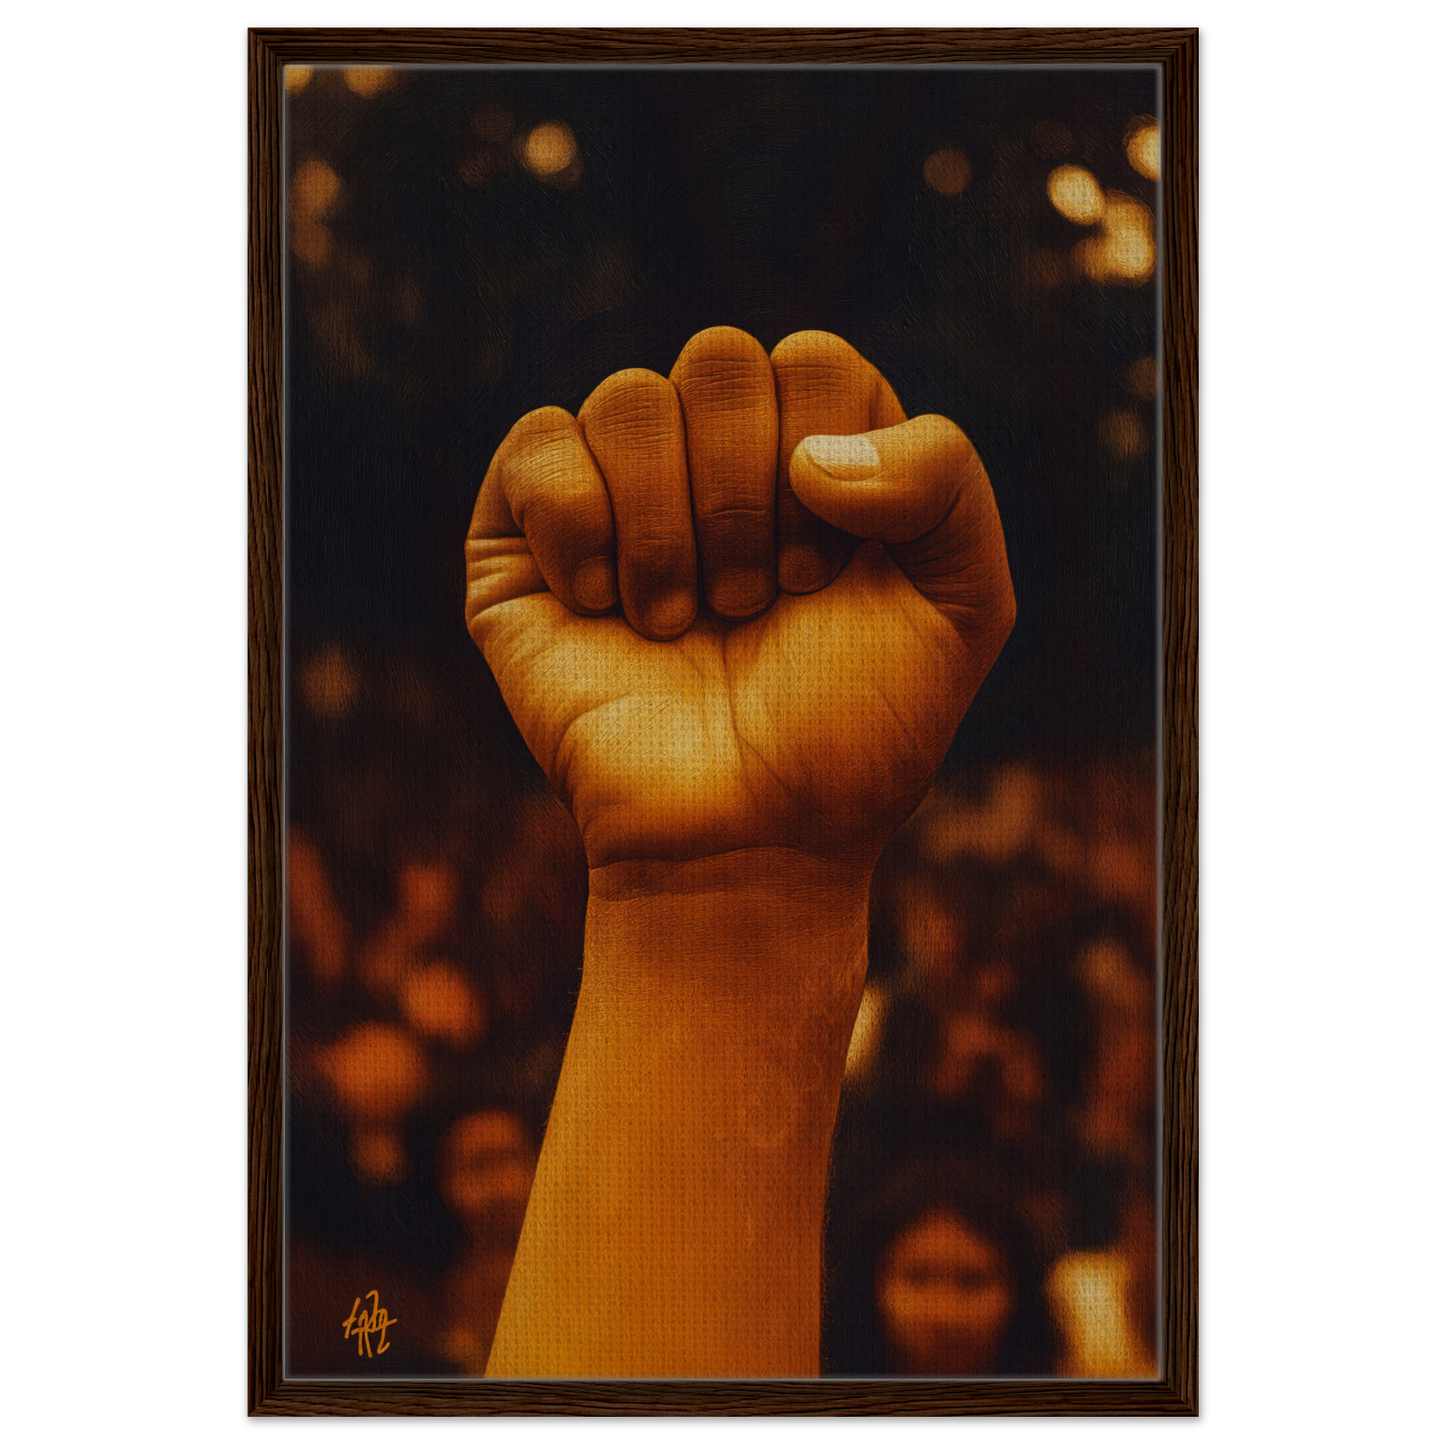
(652, 556)
(742, 515)
(546, 423)
(810, 346)
(630, 402)
(718, 341)
(816, 367)
(723, 381)
(721, 362)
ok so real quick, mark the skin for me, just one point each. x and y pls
(739, 702)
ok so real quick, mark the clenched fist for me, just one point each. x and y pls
(739, 703)
(671, 592)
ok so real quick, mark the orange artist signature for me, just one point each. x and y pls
(365, 1323)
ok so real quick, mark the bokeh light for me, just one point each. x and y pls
(477, 167)
(298, 77)
(492, 125)
(320, 930)
(995, 828)
(485, 1166)
(368, 80)
(314, 190)
(328, 682)
(439, 1003)
(1141, 378)
(1141, 145)
(549, 149)
(311, 241)
(1089, 1294)
(378, 1156)
(1076, 195)
(947, 171)
(1124, 250)
(1122, 432)
(427, 895)
(377, 1070)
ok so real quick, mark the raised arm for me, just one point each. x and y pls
(739, 703)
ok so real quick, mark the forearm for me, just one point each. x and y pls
(675, 1226)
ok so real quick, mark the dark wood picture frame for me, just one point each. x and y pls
(1175, 51)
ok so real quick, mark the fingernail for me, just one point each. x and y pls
(849, 459)
(670, 613)
(741, 591)
(593, 586)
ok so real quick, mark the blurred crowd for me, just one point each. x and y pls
(993, 1198)
(465, 244)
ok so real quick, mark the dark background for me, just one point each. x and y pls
(439, 287)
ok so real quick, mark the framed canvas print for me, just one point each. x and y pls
(723, 747)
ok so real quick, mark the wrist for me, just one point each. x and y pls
(677, 1217)
(731, 984)
(751, 924)
(740, 974)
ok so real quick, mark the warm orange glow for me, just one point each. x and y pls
(488, 1131)
(485, 1166)
(1141, 145)
(549, 149)
(478, 167)
(328, 682)
(1122, 432)
(317, 923)
(315, 189)
(427, 895)
(1046, 270)
(1089, 1295)
(438, 1002)
(368, 80)
(1076, 195)
(947, 171)
(995, 829)
(1106, 967)
(867, 1033)
(298, 77)
(377, 1156)
(378, 1071)
(311, 241)
(945, 1296)
(1125, 250)
(1129, 232)
(1141, 378)
(384, 958)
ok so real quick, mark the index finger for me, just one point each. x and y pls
(542, 521)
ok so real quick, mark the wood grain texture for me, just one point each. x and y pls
(733, 47)
(264, 761)
(1179, 725)
(1177, 1391)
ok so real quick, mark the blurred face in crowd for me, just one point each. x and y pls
(945, 1296)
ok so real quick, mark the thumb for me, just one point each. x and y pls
(921, 490)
